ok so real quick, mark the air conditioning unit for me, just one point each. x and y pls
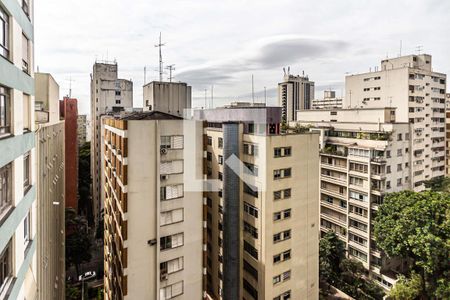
(164, 177)
(164, 276)
(163, 151)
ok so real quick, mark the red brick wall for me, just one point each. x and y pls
(69, 111)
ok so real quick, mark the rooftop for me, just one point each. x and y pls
(148, 115)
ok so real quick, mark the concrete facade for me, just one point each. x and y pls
(409, 84)
(69, 112)
(82, 129)
(295, 93)
(18, 207)
(108, 94)
(168, 97)
(329, 101)
(276, 216)
(154, 229)
(50, 161)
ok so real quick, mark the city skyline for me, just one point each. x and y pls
(320, 38)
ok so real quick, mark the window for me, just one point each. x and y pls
(250, 289)
(281, 236)
(399, 152)
(282, 277)
(26, 7)
(171, 167)
(26, 112)
(26, 173)
(399, 167)
(171, 291)
(286, 275)
(5, 265)
(277, 216)
(399, 182)
(171, 216)
(250, 250)
(276, 279)
(117, 101)
(285, 296)
(287, 213)
(282, 151)
(171, 241)
(286, 255)
(250, 169)
(250, 270)
(250, 209)
(4, 33)
(25, 54)
(172, 142)
(251, 229)
(27, 229)
(399, 137)
(220, 141)
(251, 149)
(388, 169)
(251, 190)
(358, 254)
(208, 156)
(5, 110)
(220, 159)
(282, 173)
(5, 188)
(171, 192)
(171, 266)
(209, 141)
(118, 93)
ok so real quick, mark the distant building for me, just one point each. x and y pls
(154, 222)
(108, 94)
(69, 112)
(295, 93)
(82, 129)
(447, 116)
(262, 220)
(329, 101)
(168, 97)
(50, 161)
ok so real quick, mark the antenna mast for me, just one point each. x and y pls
(170, 68)
(160, 45)
(70, 86)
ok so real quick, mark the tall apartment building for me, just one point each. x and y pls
(168, 97)
(69, 112)
(262, 206)
(409, 84)
(108, 94)
(18, 213)
(329, 101)
(294, 93)
(154, 227)
(82, 129)
(365, 153)
(50, 162)
(447, 130)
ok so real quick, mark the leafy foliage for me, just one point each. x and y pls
(78, 244)
(345, 274)
(416, 226)
(438, 184)
(84, 181)
(406, 288)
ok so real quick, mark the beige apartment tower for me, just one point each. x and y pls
(154, 229)
(294, 93)
(168, 97)
(50, 189)
(108, 94)
(262, 206)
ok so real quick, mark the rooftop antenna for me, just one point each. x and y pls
(160, 45)
(289, 70)
(170, 68)
(212, 96)
(70, 86)
(253, 91)
(284, 71)
(265, 95)
(419, 49)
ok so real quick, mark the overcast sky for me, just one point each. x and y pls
(222, 43)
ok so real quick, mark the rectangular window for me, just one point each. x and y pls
(6, 265)
(171, 291)
(27, 229)
(250, 289)
(250, 250)
(220, 142)
(171, 216)
(5, 110)
(282, 151)
(171, 167)
(209, 142)
(26, 112)
(171, 241)
(285, 296)
(25, 54)
(26, 7)
(4, 33)
(250, 270)
(5, 188)
(172, 142)
(26, 173)
(282, 173)
(171, 266)
(358, 254)
(250, 209)
(220, 159)
(251, 149)
(251, 190)
(250, 169)
(251, 230)
(171, 192)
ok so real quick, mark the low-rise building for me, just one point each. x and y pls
(329, 101)
(82, 129)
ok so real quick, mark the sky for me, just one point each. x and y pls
(223, 43)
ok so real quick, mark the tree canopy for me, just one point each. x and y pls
(416, 226)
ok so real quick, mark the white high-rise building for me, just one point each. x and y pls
(108, 94)
(18, 213)
(294, 93)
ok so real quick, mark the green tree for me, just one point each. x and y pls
(84, 182)
(406, 288)
(416, 227)
(438, 184)
(78, 244)
(331, 254)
